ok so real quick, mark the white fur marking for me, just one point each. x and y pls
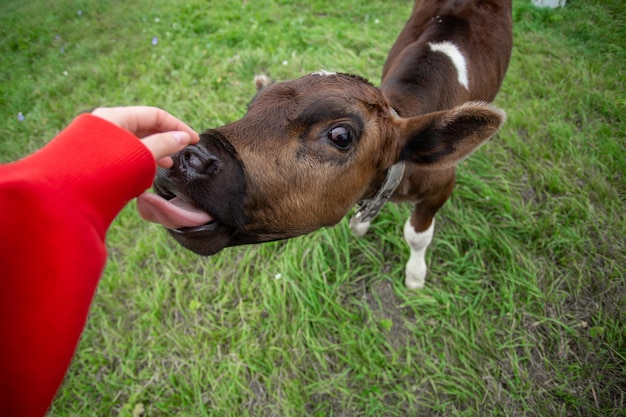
(360, 229)
(458, 60)
(323, 72)
(416, 266)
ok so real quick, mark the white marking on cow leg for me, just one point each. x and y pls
(416, 266)
(323, 72)
(458, 60)
(360, 229)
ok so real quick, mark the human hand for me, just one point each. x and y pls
(161, 133)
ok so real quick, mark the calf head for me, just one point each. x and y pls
(304, 153)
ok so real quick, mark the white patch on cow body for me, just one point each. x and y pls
(415, 273)
(323, 72)
(457, 58)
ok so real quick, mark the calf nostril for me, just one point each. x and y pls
(211, 166)
(192, 160)
(201, 163)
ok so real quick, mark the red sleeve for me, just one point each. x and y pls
(55, 208)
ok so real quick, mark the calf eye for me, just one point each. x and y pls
(341, 137)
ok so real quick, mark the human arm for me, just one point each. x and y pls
(55, 208)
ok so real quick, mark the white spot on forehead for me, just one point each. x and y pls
(458, 60)
(323, 72)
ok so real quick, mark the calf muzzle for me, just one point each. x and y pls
(207, 177)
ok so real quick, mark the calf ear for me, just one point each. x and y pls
(261, 81)
(443, 139)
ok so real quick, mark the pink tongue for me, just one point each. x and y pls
(172, 214)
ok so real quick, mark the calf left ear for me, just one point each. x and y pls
(261, 81)
(442, 139)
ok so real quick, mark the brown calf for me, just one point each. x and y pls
(309, 149)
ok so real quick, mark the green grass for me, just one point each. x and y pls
(523, 313)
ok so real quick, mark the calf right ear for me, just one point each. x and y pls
(443, 139)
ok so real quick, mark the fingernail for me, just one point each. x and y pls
(183, 138)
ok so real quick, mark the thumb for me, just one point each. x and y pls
(162, 145)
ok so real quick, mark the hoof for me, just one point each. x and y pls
(415, 273)
(413, 285)
(360, 229)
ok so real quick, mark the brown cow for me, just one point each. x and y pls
(309, 149)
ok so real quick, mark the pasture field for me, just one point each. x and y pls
(524, 309)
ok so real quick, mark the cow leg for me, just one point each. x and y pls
(415, 274)
(418, 233)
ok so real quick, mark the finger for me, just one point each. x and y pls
(150, 120)
(163, 145)
(143, 121)
(165, 162)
